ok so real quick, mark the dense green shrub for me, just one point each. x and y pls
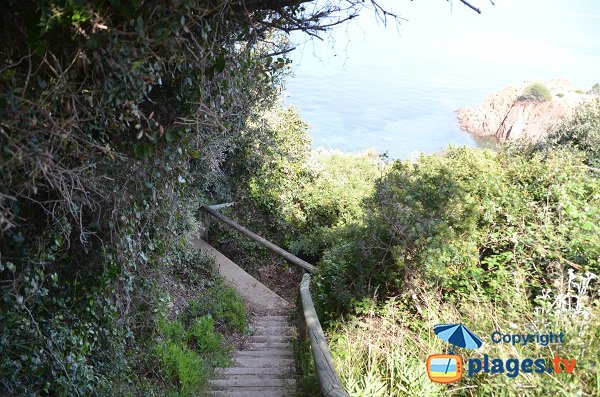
(185, 367)
(223, 304)
(581, 132)
(207, 342)
(535, 92)
(467, 216)
(189, 354)
(299, 199)
(117, 120)
(307, 195)
(469, 236)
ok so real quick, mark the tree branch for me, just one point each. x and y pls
(477, 10)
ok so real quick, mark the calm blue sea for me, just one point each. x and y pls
(396, 88)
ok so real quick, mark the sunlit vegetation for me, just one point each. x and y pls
(117, 119)
(501, 240)
(536, 92)
(581, 132)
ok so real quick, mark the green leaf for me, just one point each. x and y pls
(220, 63)
(195, 154)
(136, 65)
(587, 226)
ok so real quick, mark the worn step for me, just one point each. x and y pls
(263, 353)
(270, 325)
(252, 382)
(264, 392)
(282, 375)
(270, 322)
(260, 362)
(270, 318)
(268, 338)
(254, 371)
(268, 345)
(272, 330)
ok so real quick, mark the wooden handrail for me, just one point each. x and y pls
(328, 378)
(224, 205)
(280, 251)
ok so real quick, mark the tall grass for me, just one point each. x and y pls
(382, 349)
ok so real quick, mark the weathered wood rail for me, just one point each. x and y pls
(329, 380)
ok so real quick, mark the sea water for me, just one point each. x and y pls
(396, 88)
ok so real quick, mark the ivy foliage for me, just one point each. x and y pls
(116, 120)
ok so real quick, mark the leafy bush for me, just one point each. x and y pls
(535, 92)
(185, 367)
(469, 236)
(207, 342)
(581, 132)
(595, 90)
(306, 196)
(189, 353)
(223, 304)
(300, 200)
(118, 119)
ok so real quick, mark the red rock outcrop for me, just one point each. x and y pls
(504, 116)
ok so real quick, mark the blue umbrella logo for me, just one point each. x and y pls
(457, 335)
(447, 368)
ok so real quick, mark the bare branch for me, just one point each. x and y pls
(477, 10)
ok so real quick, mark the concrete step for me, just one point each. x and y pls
(283, 375)
(271, 318)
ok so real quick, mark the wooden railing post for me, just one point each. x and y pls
(331, 386)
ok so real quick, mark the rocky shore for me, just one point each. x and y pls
(509, 115)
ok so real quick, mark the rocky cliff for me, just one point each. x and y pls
(508, 115)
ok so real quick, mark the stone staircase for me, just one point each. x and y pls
(264, 366)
